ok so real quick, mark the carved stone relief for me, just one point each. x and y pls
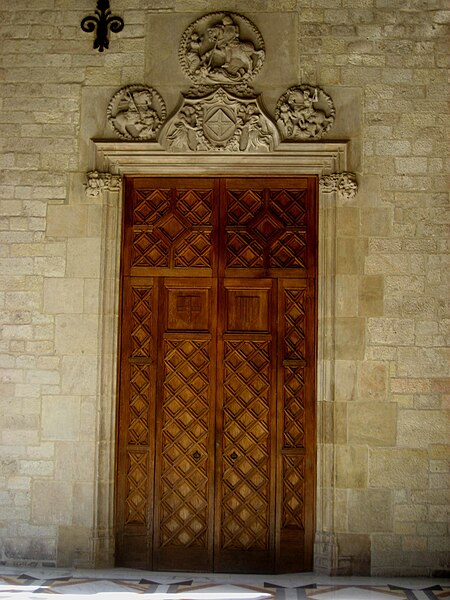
(221, 48)
(343, 183)
(220, 121)
(136, 112)
(98, 182)
(222, 52)
(304, 112)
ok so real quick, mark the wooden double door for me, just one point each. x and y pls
(216, 421)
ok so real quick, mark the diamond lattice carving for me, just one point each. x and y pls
(243, 250)
(150, 206)
(294, 408)
(293, 492)
(245, 513)
(289, 251)
(267, 225)
(294, 324)
(138, 406)
(137, 493)
(195, 206)
(184, 476)
(171, 227)
(141, 320)
(194, 250)
(242, 206)
(149, 250)
(289, 206)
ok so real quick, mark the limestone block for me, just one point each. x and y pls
(356, 547)
(373, 423)
(410, 512)
(347, 221)
(74, 546)
(26, 549)
(369, 511)
(345, 380)
(350, 334)
(398, 468)
(350, 255)
(63, 295)
(51, 503)
(423, 362)
(83, 504)
(376, 222)
(83, 257)
(76, 334)
(421, 428)
(75, 461)
(372, 380)
(60, 418)
(370, 295)
(346, 292)
(351, 466)
(79, 375)
(91, 296)
(39, 468)
(341, 510)
(391, 331)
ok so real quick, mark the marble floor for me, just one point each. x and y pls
(128, 584)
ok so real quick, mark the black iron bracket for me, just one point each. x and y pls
(101, 22)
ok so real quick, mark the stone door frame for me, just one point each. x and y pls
(113, 160)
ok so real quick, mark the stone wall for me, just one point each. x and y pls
(384, 62)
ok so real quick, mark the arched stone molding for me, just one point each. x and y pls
(326, 160)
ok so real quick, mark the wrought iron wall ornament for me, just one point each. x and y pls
(136, 112)
(100, 22)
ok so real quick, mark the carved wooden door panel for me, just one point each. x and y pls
(216, 445)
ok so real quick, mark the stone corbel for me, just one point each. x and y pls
(344, 184)
(98, 183)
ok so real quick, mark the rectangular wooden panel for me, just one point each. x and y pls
(184, 483)
(170, 226)
(136, 413)
(296, 416)
(268, 227)
(245, 492)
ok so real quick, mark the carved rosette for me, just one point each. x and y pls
(221, 48)
(136, 112)
(304, 112)
(344, 184)
(220, 121)
(98, 182)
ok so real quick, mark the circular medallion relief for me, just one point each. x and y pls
(304, 112)
(136, 112)
(221, 48)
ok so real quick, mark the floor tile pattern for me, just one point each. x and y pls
(20, 586)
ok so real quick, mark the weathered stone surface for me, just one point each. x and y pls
(370, 511)
(374, 423)
(398, 468)
(60, 418)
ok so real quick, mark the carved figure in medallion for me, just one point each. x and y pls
(304, 112)
(212, 51)
(136, 112)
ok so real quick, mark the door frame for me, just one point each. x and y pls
(113, 160)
